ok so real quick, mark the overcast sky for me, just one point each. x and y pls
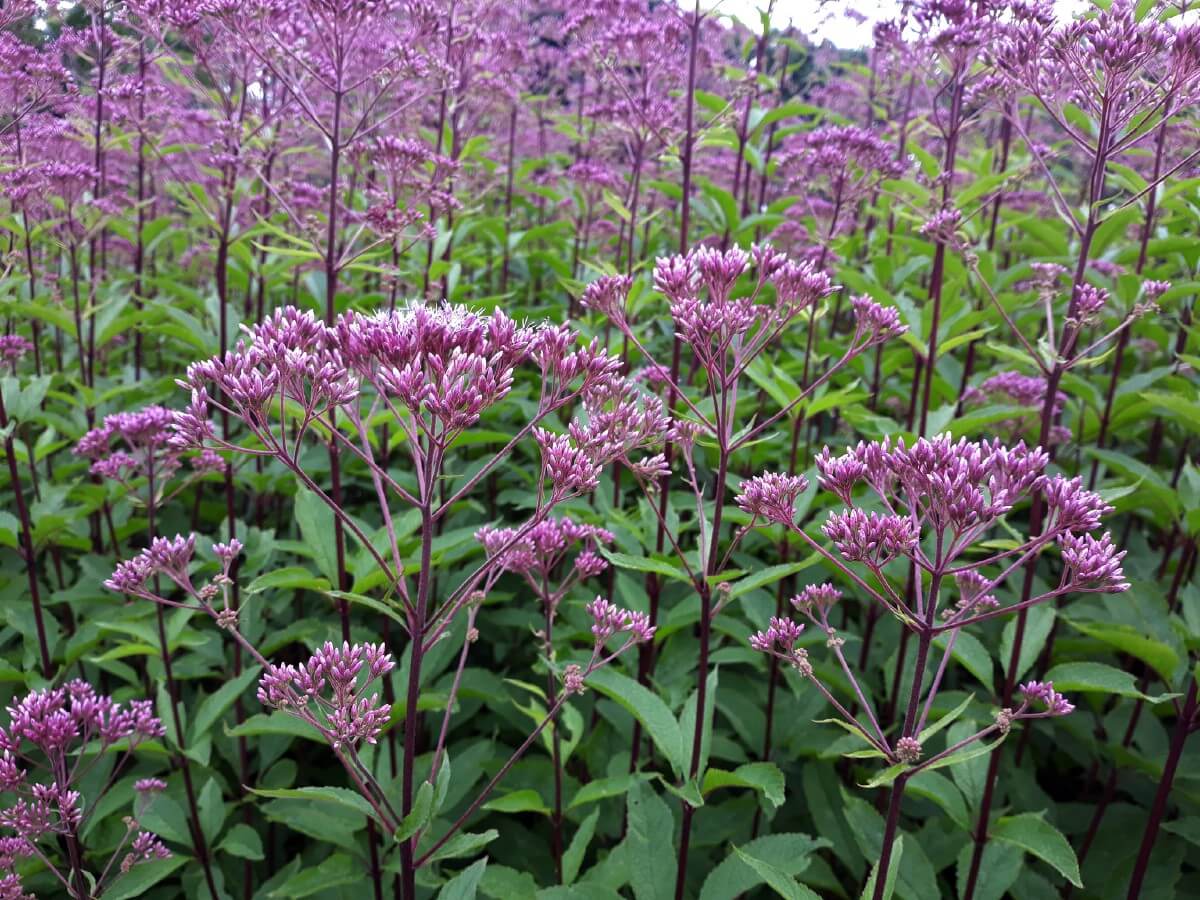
(829, 21)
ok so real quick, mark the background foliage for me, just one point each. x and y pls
(172, 169)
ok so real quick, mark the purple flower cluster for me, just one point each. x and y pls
(42, 748)
(1043, 692)
(940, 500)
(444, 364)
(609, 619)
(781, 635)
(875, 323)
(1026, 391)
(54, 719)
(145, 847)
(772, 496)
(328, 693)
(871, 537)
(713, 321)
(132, 444)
(13, 348)
(171, 557)
(843, 162)
(536, 552)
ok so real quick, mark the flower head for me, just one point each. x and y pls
(1092, 564)
(329, 691)
(1043, 692)
(780, 635)
(870, 537)
(873, 322)
(609, 619)
(772, 496)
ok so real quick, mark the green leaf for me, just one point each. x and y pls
(211, 809)
(971, 751)
(1184, 410)
(142, 877)
(647, 708)
(887, 776)
(289, 578)
(1094, 677)
(945, 720)
(763, 777)
(338, 796)
(970, 654)
(942, 791)
(787, 853)
(419, 815)
(242, 841)
(573, 857)
(380, 606)
(505, 883)
(1128, 639)
(465, 884)
(315, 519)
(645, 564)
(1039, 620)
(1036, 836)
(1187, 827)
(441, 785)
(525, 800)
(999, 868)
(650, 826)
(603, 788)
(770, 575)
(166, 818)
(465, 844)
(333, 871)
(854, 730)
(277, 722)
(215, 705)
(889, 884)
(780, 882)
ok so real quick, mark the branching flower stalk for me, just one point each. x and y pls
(1113, 55)
(27, 548)
(941, 499)
(430, 372)
(134, 450)
(724, 334)
(44, 760)
(331, 691)
(539, 557)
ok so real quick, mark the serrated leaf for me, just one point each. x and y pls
(1094, 677)
(764, 777)
(647, 708)
(465, 884)
(419, 815)
(1036, 836)
(780, 882)
(337, 796)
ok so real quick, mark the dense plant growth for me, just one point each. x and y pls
(597, 450)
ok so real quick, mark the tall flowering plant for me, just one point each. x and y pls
(724, 331)
(936, 507)
(427, 373)
(53, 739)
(136, 451)
(540, 558)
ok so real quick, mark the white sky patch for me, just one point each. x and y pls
(830, 20)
